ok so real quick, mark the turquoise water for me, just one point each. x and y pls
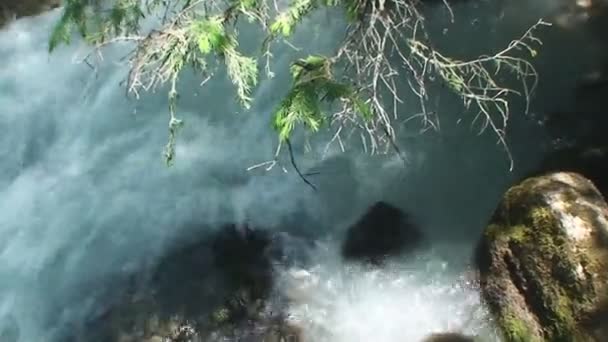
(85, 198)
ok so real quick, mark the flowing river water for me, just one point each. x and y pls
(85, 197)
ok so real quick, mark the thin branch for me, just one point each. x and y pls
(295, 166)
(381, 48)
(396, 147)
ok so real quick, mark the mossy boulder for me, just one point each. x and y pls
(543, 261)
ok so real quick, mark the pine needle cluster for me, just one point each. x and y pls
(385, 44)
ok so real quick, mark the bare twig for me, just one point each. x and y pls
(295, 166)
(377, 52)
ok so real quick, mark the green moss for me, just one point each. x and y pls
(565, 321)
(516, 329)
(543, 218)
(548, 237)
(220, 316)
(492, 230)
(516, 233)
(554, 293)
(554, 276)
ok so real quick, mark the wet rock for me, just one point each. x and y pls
(201, 289)
(284, 332)
(543, 260)
(184, 333)
(242, 253)
(216, 289)
(383, 231)
(14, 9)
(448, 337)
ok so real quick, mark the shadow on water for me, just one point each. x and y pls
(578, 142)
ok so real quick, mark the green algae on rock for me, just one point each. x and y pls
(543, 261)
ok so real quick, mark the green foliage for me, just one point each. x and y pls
(211, 37)
(125, 16)
(313, 85)
(73, 17)
(96, 23)
(61, 33)
(201, 35)
(286, 22)
(243, 71)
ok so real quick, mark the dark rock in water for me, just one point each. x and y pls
(543, 261)
(207, 289)
(10, 9)
(242, 254)
(383, 231)
(283, 333)
(448, 337)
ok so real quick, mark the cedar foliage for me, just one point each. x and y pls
(202, 35)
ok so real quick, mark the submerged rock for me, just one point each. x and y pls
(175, 298)
(383, 231)
(543, 261)
(213, 289)
(448, 337)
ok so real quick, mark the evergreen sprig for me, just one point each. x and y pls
(313, 85)
(382, 45)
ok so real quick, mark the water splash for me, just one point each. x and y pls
(406, 300)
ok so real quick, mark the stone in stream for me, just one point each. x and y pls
(543, 261)
(212, 289)
(448, 337)
(382, 232)
(15, 9)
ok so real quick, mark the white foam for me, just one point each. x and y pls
(405, 300)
